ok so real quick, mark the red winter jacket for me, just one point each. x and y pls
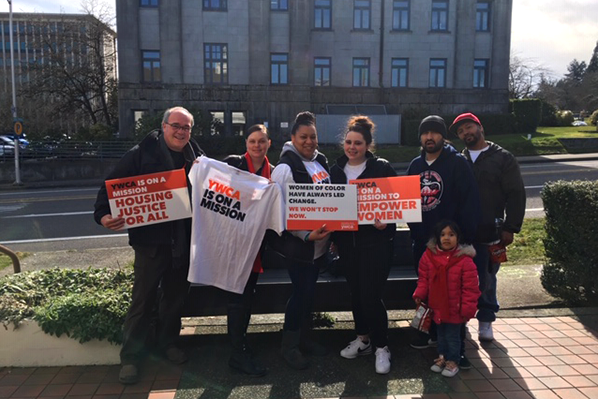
(460, 297)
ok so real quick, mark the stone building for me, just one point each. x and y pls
(255, 61)
(43, 42)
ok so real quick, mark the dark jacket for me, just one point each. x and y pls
(151, 155)
(287, 245)
(449, 191)
(367, 235)
(501, 189)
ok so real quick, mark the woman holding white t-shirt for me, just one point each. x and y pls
(300, 162)
(365, 254)
(255, 161)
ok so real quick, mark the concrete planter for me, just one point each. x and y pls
(29, 346)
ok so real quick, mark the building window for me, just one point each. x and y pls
(400, 15)
(362, 10)
(437, 72)
(482, 16)
(214, 5)
(279, 69)
(480, 73)
(151, 66)
(322, 14)
(215, 63)
(361, 72)
(439, 15)
(281, 5)
(399, 72)
(148, 3)
(322, 71)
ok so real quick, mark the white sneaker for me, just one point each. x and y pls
(382, 360)
(485, 331)
(356, 348)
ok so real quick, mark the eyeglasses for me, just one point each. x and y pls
(177, 127)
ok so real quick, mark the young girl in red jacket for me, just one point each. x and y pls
(448, 282)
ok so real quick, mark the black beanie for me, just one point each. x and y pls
(432, 123)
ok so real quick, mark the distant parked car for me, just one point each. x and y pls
(579, 123)
(6, 150)
(6, 139)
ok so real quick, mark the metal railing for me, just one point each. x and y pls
(68, 150)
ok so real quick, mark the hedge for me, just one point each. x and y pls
(571, 270)
(494, 124)
(528, 113)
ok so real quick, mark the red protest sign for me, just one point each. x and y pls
(148, 199)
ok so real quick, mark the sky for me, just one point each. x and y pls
(547, 33)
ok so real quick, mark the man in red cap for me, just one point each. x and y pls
(502, 193)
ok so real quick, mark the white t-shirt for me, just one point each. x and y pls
(354, 171)
(283, 174)
(231, 211)
(474, 154)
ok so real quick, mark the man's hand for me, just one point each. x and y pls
(113, 223)
(506, 238)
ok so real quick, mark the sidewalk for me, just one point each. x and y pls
(545, 357)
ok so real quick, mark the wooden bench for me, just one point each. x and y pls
(332, 294)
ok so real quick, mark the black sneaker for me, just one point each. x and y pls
(423, 343)
(464, 363)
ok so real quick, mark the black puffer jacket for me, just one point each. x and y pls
(501, 191)
(151, 155)
(367, 235)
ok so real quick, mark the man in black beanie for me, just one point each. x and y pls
(448, 191)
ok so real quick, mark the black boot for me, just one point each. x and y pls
(310, 346)
(290, 350)
(241, 358)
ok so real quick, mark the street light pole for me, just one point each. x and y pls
(14, 95)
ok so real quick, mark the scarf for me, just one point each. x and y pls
(257, 264)
(439, 294)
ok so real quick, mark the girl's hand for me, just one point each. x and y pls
(379, 225)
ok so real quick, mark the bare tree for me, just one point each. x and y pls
(524, 76)
(74, 71)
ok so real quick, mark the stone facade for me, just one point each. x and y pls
(252, 32)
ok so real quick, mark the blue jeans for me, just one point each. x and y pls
(488, 303)
(449, 341)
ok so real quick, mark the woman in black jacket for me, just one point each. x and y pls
(239, 305)
(365, 254)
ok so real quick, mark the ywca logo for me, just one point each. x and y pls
(431, 189)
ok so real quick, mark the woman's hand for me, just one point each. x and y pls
(379, 225)
(418, 301)
(111, 223)
(319, 234)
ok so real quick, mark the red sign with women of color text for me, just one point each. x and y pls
(149, 199)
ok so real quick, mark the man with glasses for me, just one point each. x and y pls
(161, 250)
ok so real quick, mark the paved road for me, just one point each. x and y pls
(61, 218)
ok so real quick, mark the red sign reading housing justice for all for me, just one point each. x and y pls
(148, 199)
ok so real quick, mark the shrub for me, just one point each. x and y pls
(565, 118)
(549, 117)
(83, 304)
(528, 113)
(409, 135)
(203, 123)
(497, 124)
(594, 118)
(570, 272)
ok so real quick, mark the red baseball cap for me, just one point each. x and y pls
(461, 119)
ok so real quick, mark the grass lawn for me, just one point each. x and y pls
(528, 246)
